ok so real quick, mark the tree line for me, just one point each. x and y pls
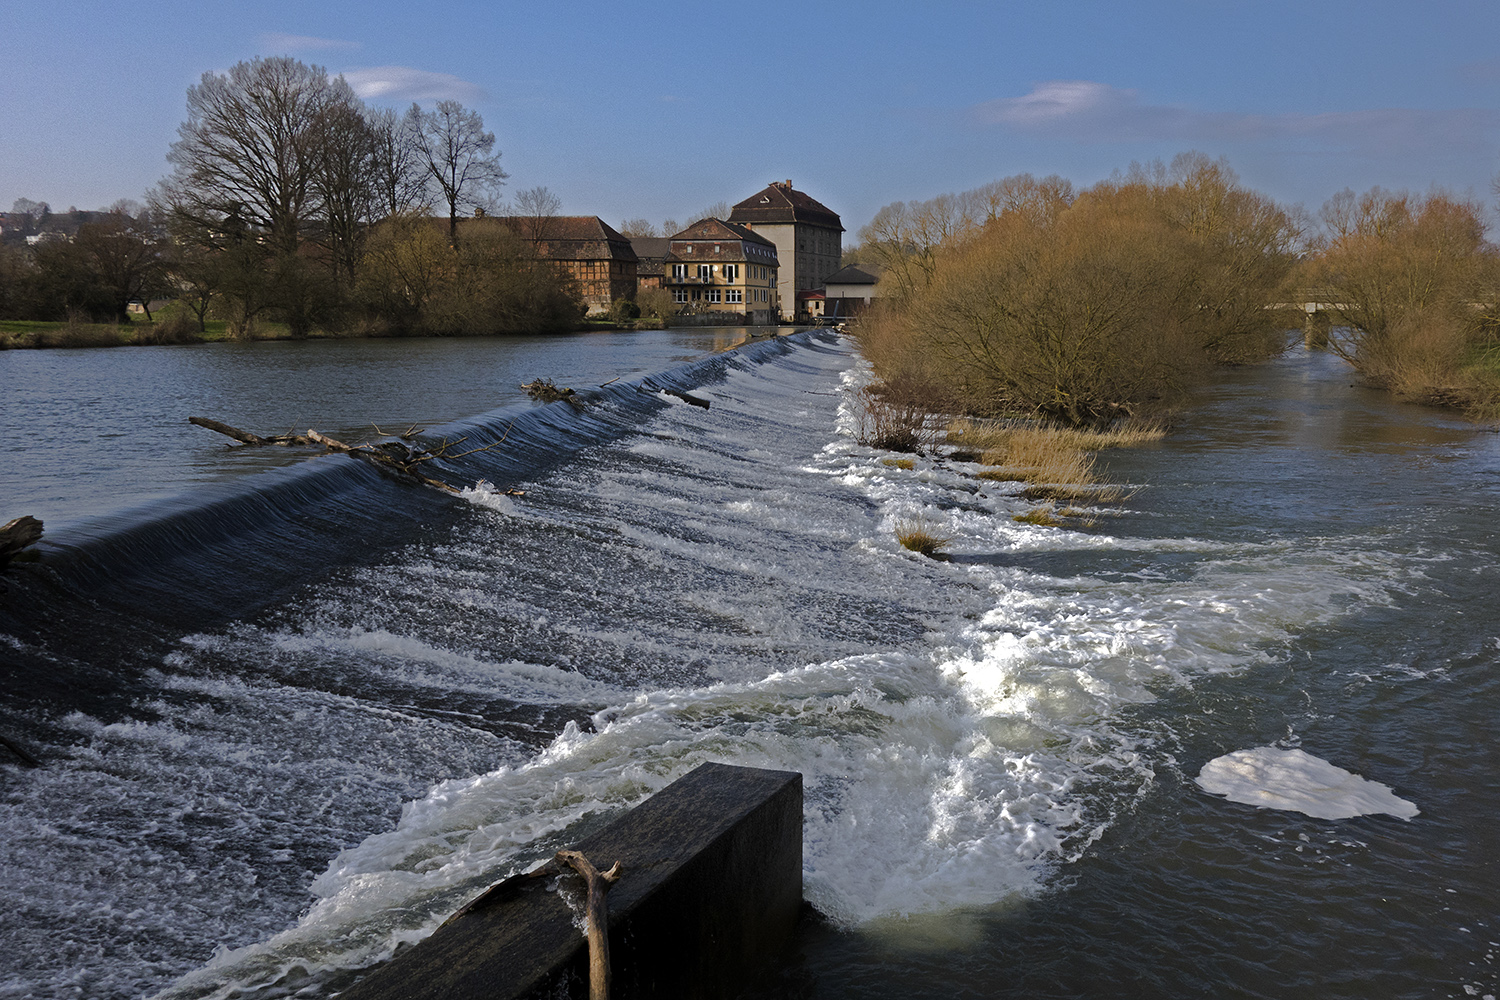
(290, 200)
(1084, 307)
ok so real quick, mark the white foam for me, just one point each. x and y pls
(1270, 778)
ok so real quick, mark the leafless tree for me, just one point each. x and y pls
(458, 155)
(535, 207)
(638, 227)
(251, 146)
(399, 176)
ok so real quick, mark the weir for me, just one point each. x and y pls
(710, 889)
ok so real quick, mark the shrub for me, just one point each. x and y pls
(893, 425)
(623, 310)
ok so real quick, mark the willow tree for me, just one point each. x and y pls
(1413, 281)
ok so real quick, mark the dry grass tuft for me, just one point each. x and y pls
(1043, 517)
(899, 463)
(916, 535)
(987, 435)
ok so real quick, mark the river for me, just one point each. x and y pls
(294, 718)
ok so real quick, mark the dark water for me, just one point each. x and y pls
(89, 433)
(274, 753)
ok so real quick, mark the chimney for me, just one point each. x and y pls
(788, 183)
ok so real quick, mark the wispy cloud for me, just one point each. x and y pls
(278, 42)
(403, 83)
(1087, 111)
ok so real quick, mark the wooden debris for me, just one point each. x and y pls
(598, 884)
(544, 390)
(16, 535)
(254, 440)
(399, 456)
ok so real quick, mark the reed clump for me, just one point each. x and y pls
(918, 535)
(1055, 462)
(1044, 516)
(898, 463)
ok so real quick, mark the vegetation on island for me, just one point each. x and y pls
(1028, 298)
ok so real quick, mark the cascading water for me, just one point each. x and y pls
(998, 750)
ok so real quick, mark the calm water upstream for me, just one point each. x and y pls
(298, 717)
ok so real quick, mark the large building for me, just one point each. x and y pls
(715, 266)
(808, 236)
(589, 248)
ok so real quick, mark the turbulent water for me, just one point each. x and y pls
(289, 730)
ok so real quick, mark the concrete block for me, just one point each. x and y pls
(710, 891)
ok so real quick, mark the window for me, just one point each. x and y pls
(679, 271)
(713, 295)
(731, 272)
(733, 295)
(679, 295)
(705, 272)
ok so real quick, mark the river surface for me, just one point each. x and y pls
(296, 718)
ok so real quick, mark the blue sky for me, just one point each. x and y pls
(658, 110)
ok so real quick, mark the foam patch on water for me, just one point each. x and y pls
(1270, 778)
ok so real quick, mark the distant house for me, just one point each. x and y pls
(850, 290)
(718, 267)
(651, 255)
(808, 237)
(589, 248)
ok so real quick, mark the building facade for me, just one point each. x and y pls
(808, 238)
(589, 248)
(715, 266)
(850, 290)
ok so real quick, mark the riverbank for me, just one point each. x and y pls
(38, 334)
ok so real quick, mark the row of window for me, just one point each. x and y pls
(733, 296)
(730, 272)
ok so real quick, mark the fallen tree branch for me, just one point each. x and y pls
(598, 917)
(397, 455)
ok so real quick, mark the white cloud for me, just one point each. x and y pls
(279, 43)
(403, 83)
(1097, 112)
(1055, 101)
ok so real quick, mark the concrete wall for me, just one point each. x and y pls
(710, 892)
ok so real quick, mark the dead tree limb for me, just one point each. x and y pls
(598, 918)
(247, 438)
(398, 455)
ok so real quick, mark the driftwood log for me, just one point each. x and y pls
(16, 535)
(598, 915)
(399, 456)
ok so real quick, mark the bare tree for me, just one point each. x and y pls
(250, 145)
(535, 207)
(458, 155)
(399, 176)
(346, 184)
(638, 227)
